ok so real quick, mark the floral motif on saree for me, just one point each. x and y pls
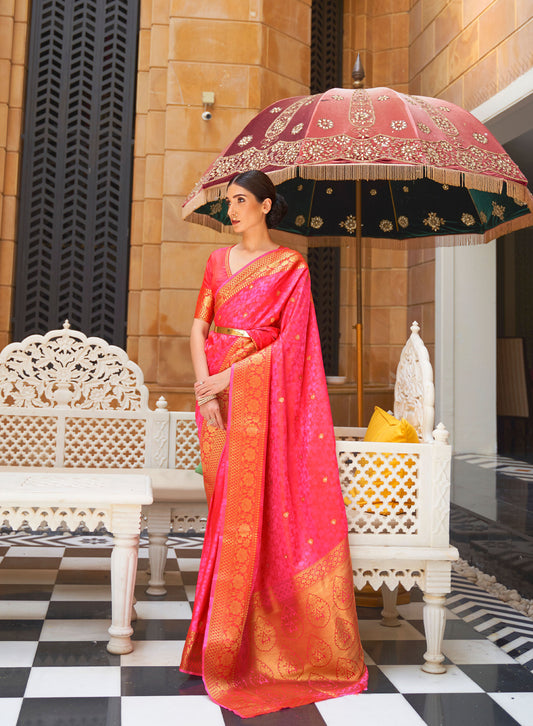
(274, 621)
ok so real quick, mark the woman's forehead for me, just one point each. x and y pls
(234, 190)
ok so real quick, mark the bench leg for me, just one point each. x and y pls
(434, 623)
(123, 573)
(158, 525)
(389, 612)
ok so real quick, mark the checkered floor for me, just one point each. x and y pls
(55, 670)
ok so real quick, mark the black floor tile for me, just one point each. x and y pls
(364, 613)
(396, 652)
(13, 683)
(453, 630)
(174, 592)
(88, 552)
(30, 563)
(70, 712)
(503, 677)
(64, 610)
(300, 716)
(17, 591)
(459, 709)
(20, 629)
(71, 653)
(84, 577)
(189, 578)
(160, 629)
(378, 681)
(151, 681)
(192, 686)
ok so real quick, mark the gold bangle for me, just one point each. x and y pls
(205, 399)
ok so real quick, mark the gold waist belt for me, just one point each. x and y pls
(233, 331)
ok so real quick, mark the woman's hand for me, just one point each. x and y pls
(213, 385)
(212, 415)
(210, 387)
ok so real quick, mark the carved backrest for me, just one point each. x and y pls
(69, 400)
(65, 368)
(414, 392)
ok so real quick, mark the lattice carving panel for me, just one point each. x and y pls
(105, 443)
(76, 168)
(326, 45)
(381, 492)
(187, 444)
(391, 576)
(54, 518)
(27, 440)
(66, 367)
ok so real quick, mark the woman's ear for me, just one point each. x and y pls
(267, 205)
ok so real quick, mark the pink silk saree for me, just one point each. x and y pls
(274, 622)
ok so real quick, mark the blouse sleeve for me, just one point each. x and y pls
(205, 306)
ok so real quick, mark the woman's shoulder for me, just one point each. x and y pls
(292, 257)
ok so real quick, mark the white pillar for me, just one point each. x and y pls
(465, 346)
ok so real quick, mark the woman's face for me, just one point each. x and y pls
(244, 211)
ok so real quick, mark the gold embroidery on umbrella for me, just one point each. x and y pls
(349, 224)
(405, 189)
(300, 220)
(434, 221)
(398, 125)
(337, 97)
(245, 140)
(498, 210)
(300, 187)
(483, 217)
(329, 190)
(445, 187)
(403, 221)
(325, 123)
(279, 125)
(373, 192)
(361, 113)
(316, 222)
(467, 219)
(216, 207)
(383, 98)
(482, 138)
(296, 129)
(385, 225)
(276, 109)
(424, 128)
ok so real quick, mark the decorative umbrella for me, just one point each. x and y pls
(383, 167)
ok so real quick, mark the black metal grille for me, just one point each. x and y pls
(326, 44)
(73, 241)
(324, 268)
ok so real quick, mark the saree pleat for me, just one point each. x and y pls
(274, 621)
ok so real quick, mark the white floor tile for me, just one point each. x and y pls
(474, 651)
(189, 564)
(154, 653)
(83, 681)
(81, 593)
(142, 710)
(370, 708)
(57, 630)
(16, 654)
(190, 591)
(85, 563)
(414, 611)
(373, 630)
(23, 609)
(412, 679)
(35, 552)
(149, 610)
(517, 705)
(10, 711)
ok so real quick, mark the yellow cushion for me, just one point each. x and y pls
(385, 427)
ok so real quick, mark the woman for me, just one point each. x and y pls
(274, 621)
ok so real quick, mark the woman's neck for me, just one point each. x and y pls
(256, 241)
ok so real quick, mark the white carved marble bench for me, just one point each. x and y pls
(113, 501)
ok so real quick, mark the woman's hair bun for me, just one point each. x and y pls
(278, 211)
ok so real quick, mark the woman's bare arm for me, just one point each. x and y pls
(206, 385)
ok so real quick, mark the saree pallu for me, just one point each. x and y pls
(274, 621)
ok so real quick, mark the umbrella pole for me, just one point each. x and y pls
(358, 279)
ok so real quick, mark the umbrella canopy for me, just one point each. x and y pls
(389, 169)
(430, 170)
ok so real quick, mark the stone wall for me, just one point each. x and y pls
(13, 35)
(248, 54)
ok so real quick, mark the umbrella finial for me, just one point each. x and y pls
(358, 73)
